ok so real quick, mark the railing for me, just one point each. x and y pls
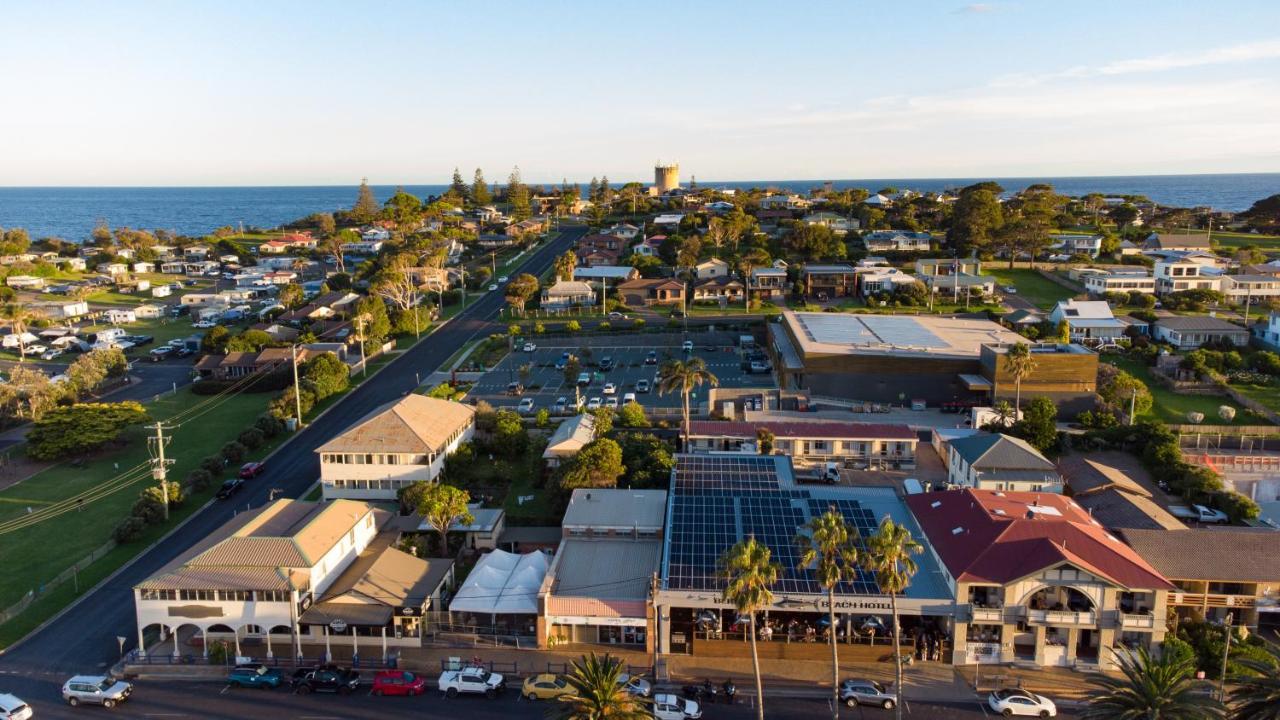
(1062, 617)
(458, 663)
(134, 657)
(565, 668)
(978, 613)
(1139, 622)
(1211, 600)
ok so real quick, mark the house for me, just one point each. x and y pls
(129, 287)
(173, 267)
(570, 437)
(532, 226)
(769, 282)
(243, 364)
(783, 202)
(1190, 332)
(1178, 241)
(482, 532)
(625, 231)
(1184, 274)
(591, 257)
(73, 263)
(1023, 318)
(610, 274)
(565, 294)
(394, 446)
(362, 247)
(957, 285)
(601, 241)
(773, 217)
(649, 247)
(858, 445)
(874, 280)
(713, 268)
(1249, 289)
(1037, 581)
(718, 289)
(992, 461)
(1268, 333)
(161, 291)
(144, 267)
(195, 253)
(375, 234)
(669, 220)
(149, 312)
(839, 224)
(1088, 321)
(1118, 279)
(948, 266)
(655, 291)
(1113, 498)
(114, 269)
(897, 240)
(1090, 245)
(828, 280)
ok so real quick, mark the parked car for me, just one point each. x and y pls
(12, 708)
(563, 362)
(759, 366)
(492, 288)
(651, 358)
(251, 470)
(611, 402)
(101, 690)
(51, 354)
(398, 682)
(327, 678)
(229, 488)
(37, 349)
(139, 340)
(615, 315)
(671, 707)
(610, 389)
(687, 346)
(255, 676)
(530, 347)
(866, 692)
(584, 378)
(1199, 513)
(628, 398)
(606, 363)
(1009, 289)
(473, 681)
(642, 386)
(515, 388)
(635, 685)
(163, 352)
(1011, 702)
(525, 406)
(544, 686)
(204, 324)
(503, 279)
(183, 351)
(594, 403)
(562, 405)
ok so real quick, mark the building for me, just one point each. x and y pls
(655, 291)
(1249, 289)
(500, 594)
(611, 274)
(769, 282)
(598, 587)
(718, 289)
(900, 359)
(1088, 321)
(828, 280)
(1177, 275)
(24, 282)
(282, 575)
(856, 445)
(482, 532)
(565, 294)
(839, 224)
(992, 461)
(716, 501)
(897, 241)
(1120, 279)
(362, 247)
(1178, 241)
(712, 268)
(235, 365)
(666, 178)
(569, 437)
(396, 445)
(875, 280)
(669, 220)
(1090, 245)
(1268, 333)
(1037, 581)
(1188, 332)
(1113, 498)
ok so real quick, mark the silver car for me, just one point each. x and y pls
(101, 690)
(866, 692)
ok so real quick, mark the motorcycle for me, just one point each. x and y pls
(706, 692)
(730, 690)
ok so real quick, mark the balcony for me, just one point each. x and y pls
(1062, 618)
(1137, 622)
(1213, 600)
(980, 614)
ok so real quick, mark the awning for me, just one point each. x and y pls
(975, 382)
(362, 614)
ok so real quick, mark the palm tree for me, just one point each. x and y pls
(750, 573)
(1020, 364)
(888, 555)
(1004, 413)
(1163, 689)
(19, 317)
(1257, 694)
(829, 548)
(683, 376)
(596, 693)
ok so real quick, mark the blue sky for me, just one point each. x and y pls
(230, 93)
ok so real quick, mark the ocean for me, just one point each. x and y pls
(71, 212)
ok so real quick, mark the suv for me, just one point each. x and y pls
(327, 678)
(642, 386)
(101, 690)
(255, 676)
(606, 363)
(651, 358)
(229, 488)
(473, 680)
(866, 692)
(670, 707)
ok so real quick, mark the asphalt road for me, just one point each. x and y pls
(84, 639)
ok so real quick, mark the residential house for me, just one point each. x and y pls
(873, 280)
(649, 247)
(948, 266)
(235, 365)
(601, 241)
(1113, 498)
(532, 226)
(1242, 289)
(771, 218)
(839, 224)
(769, 282)
(897, 241)
(1190, 332)
(1268, 333)
(1088, 321)
(669, 220)
(655, 291)
(565, 294)
(129, 287)
(1180, 275)
(144, 267)
(1023, 318)
(626, 231)
(828, 280)
(861, 445)
(992, 461)
(375, 234)
(362, 247)
(877, 201)
(1037, 581)
(783, 202)
(394, 446)
(73, 263)
(712, 268)
(718, 289)
(1090, 245)
(569, 438)
(1178, 241)
(1119, 279)
(114, 269)
(195, 253)
(611, 274)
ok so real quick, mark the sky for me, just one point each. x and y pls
(316, 93)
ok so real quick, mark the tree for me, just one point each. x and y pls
(1022, 235)
(685, 376)
(404, 208)
(1019, 364)
(565, 264)
(816, 241)
(441, 506)
(597, 693)
(518, 196)
(19, 317)
(1039, 424)
(326, 224)
(292, 296)
(1163, 689)
(827, 545)
(458, 189)
(366, 208)
(91, 369)
(603, 417)
(248, 341)
(648, 459)
(521, 288)
(14, 242)
(1004, 413)
(597, 465)
(373, 324)
(509, 436)
(480, 194)
(975, 219)
(1118, 390)
(689, 252)
(632, 416)
(326, 375)
(81, 428)
(1257, 692)
(888, 556)
(764, 441)
(750, 574)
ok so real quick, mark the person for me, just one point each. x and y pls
(729, 690)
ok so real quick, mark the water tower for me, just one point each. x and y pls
(666, 177)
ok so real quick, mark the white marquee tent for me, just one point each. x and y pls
(503, 583)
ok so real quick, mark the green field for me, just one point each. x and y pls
(1031, 285)
(1170, 407)
(1233, 240)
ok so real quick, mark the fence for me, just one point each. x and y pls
(135, 657)
(72, 573)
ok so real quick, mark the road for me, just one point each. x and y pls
(84, 639)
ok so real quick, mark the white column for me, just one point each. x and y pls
(269, 653)
(355, 643)
(204, 635)
(142, 649)
(175, 642)
(328, 653)
(235, 632)
(384, 644)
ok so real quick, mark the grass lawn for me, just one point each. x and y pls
(1268, 395)
(1235, 240)
(1171, 407)
(1031, 285)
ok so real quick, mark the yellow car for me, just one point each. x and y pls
(545, 687)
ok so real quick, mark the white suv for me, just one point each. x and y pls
(101, 690)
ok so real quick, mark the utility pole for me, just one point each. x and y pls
(297, 387)
(1133, 401)
(1226, 651)
(159, 469)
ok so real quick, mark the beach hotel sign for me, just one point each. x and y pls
(874, 604)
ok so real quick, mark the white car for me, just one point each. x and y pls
(611, 402)
(530, 347)
(474, 680)
(610, 389)
(687, 346)
(635, 685)
(1009, 289)
(1011, 702)
(594, 403)
(503, 279)
(37, 349)
(204, 324)
(525, 406)
(50, 354)
(628, 398)
(670, 707)
(492, 288)
(11, 708)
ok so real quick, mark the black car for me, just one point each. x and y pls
(139, 340)
(651, 358)
(327, 678)
(183, 351)
(606, 363)
(229, 488)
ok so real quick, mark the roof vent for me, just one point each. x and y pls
(935, 504)
(957, 531)
(999, 511)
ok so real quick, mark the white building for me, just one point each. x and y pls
(1240, 289)
(394, 446)
(1122, 279)
(1090, 245)
(119, 316)
(1088, 320)
(1179, 275)
(1000, 462)
(897, 240)
(364, 247)
(713, 268)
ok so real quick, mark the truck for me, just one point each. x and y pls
(472, 680)
(828, 472)
(1198, 513)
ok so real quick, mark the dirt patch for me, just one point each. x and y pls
(15, 467)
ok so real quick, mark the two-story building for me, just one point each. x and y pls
(1037, 581)
(396, 445)
(828, 280)
(1088, 321)
(769, 282)
(991, 461)
(863, 445)
(1119, 279)
(897, 241)
(718, 289)
(1177, 275)
(1250, 289)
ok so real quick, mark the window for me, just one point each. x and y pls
(235, 595)
(196, 595)
(159, 594)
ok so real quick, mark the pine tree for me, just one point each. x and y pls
(593, 190)
(518, 196)
(458, 188)
(366, 207)
(604, 188)
(693, 183)
(480, 194)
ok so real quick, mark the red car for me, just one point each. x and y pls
(251, 470)
(398, 682)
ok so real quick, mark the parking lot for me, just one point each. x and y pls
(627, 355)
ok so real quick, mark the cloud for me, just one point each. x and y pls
(1242, 53)
(976, 9)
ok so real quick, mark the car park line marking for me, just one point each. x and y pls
(983, 707)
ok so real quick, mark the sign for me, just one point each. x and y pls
(604, 621)
(338, 625)
(857, 605)
(407, 611)
(304, 604)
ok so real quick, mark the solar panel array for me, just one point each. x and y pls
(719, 500)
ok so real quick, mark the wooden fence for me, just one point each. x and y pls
(67, 575)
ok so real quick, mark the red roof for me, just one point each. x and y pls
(872, 431)
(1000, 537)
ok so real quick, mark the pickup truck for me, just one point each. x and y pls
(473, 680)
(828, 473)
(1199, 513)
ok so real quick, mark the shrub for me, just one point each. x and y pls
(1238, 507)
(214, 464)
(251, 438)
(1266, 362)
(573, 326)
(326, 375)
(129, 530)
(269, 425)
(148, 509)
(199, 479)
(605, 326)
(234, 452)
(638, 323)
(81, 428)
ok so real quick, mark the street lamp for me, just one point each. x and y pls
(1226, 651)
